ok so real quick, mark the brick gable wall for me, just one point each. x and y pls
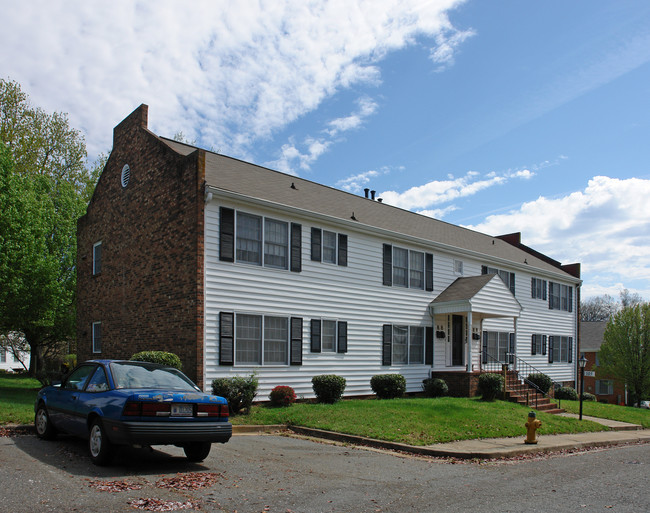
(149, 295)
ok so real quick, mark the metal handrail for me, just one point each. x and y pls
(519, 373)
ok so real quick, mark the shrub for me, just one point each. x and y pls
(566, 393)
(69, 363)
(435, 387)
(161, 357)
(282, 396)
(238, 391)
(541, 380)
(490, 385)
(388, 386)
(328, 387)
(586, 396)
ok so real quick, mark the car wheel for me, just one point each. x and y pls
(197, 451)
(43, 424)
(98, 443)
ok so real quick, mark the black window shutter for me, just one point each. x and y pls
(570, 299)
(296, 247)
(316, 237)
(226, 234)
(388, 265)
(315, 335)
(550, 348)
(533, 345)
(533, 289)
(570, 349)
(342, 337)
(544, 290)
(387, 345)
(428, 345)
(550, 295)
(543, 344)
(511, 348)
(296, 341)
(343, 250)
(512, 283)
(226, 338)
(428, 276)
(484, 269)
(485, 347)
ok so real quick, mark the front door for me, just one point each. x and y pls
(457, 340)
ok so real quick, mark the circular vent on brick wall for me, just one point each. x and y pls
(126, 175)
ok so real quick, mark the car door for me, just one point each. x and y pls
(62, 403)
(93, 397)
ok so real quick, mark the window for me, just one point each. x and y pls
(97, 337)
(604, 387)
(507, 277)
(276, 244)
(406, 268)
(97, 258)
(408, 345)
(329, 336)
(329, 247)
(3, 356)
(560, 297)
(538, 288)
(98, 382)
(458, 267)
(538, 344)
(249, 238)
(261, 340)
(560, 349)
(497, 345)
(77, 380)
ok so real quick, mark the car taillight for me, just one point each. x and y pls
(212, 410)
(146, 409)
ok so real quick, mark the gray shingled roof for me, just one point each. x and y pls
(591, 335)
(463, 289)
(248, 179)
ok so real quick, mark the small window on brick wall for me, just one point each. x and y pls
(97, 258)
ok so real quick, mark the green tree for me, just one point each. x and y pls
(44, 188)
(625, 353)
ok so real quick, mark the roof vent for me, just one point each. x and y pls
(126, 175)
(372, 195)
(366, 191)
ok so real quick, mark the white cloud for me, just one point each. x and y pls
(437, 192)
(447, 44)
(367, 107)
(605, 227)
(438, 213)
(225, 73)
(356, 183)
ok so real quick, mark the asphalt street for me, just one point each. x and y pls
(281, 474)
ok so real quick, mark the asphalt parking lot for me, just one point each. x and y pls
(286, 474)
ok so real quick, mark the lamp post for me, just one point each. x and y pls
(583, 363)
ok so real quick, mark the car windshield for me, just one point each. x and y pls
(144, 375)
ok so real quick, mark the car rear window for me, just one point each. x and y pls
(143, 375)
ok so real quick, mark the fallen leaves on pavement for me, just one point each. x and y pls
(161, 505)
(190, 481)
(113, 486)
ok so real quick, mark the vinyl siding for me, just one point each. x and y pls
(352, 293)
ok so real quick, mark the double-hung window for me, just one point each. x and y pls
(252, 230)
(329, 336)
(560, 349)
(97, 258)
(408, 345)
(97, 337)
(407, 268)
(604, 387)
(329, 247)
(560, 297)
(261, 340)
(538, 344)
(538, 288)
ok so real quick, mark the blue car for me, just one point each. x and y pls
(112, 402)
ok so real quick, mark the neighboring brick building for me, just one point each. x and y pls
(240, 269)
(606, 390)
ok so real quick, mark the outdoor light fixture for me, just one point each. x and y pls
(583, 363)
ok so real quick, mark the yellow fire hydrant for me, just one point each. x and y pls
(531, 426)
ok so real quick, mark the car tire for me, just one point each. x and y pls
(99, 444)
(44, 428)
(197, 451)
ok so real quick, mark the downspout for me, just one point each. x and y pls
(469, 341)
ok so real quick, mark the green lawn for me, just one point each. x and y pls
(416, 421)
(17, 395)
(610, 411)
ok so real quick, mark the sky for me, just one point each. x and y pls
(502, 116)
